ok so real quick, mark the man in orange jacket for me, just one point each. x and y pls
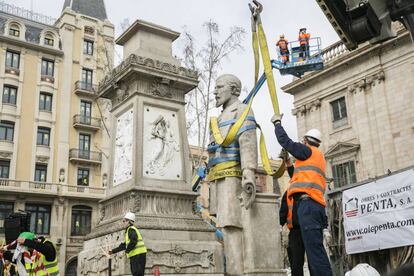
(283, 48)
(304, 42)
(307, 188)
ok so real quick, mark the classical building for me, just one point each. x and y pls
(362, 103)
(54, 139)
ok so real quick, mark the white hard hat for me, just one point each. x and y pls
(315, 134)
(130, 216)
(363, 270)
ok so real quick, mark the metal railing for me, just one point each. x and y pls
(86, 120)
(86, 86)
(50, 188)
(21, 12)
(85, 154)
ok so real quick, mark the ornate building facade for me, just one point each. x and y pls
(362, 104)
(54, 138)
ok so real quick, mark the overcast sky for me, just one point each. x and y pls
(278, 17)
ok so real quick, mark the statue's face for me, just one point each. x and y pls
(222, 92)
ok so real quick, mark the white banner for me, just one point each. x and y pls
(379, 214)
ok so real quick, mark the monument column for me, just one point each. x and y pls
(150, 170)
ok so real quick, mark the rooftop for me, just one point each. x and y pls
(26, 14)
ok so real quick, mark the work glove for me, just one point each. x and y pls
(276, 118)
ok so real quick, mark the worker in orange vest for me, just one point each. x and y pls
(283, 48)
(304, 42)
(307, 188)
(296, 248)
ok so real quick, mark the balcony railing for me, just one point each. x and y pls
(86, 122)
(85, 155)
(85, 88)
(334, 51)
(12, 70)
(11, 185)
(11, 9)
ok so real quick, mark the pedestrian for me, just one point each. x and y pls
(134, 246)
(9, 268)
(296, 248)
(304, 43)
(37, 254)
(283, 48)
(307, 187)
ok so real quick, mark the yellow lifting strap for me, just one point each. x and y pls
(258, 39)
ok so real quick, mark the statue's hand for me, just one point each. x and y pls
(248, 193)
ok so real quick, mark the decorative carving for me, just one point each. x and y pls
(178, 258)
(6, 154)
(123, 148)
(135, 203)
(367, 82)
(161, 88)
(162, 144)
(42, 159)
(101, 213)
(147, 62)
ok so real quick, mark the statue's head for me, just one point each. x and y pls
(227, 89)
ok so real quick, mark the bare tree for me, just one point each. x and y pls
(207, 61)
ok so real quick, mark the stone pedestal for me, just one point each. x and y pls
(262, 241)
(150, 167)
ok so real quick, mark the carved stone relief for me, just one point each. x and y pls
(161, 88)
(162, 156)
(123, 148)
(367, 82)
(179, 259)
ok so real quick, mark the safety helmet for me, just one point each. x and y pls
(281, 36)
(27, 235)
(302, 29)
(130, 216)
(315, 134)
(363, 270)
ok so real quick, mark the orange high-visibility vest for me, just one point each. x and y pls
(308, 177)
(304, 38)
(283, 44)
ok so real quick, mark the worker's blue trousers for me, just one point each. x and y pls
(312, 221)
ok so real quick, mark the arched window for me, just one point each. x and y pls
(71, 267)
(14, 30)
(49, 39)
(81, 220)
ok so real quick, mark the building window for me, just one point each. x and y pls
(48, 66)
(339, 114)
(40, 173)
(83, 177)
(9, 95)
(344, 174)
(43, 136)
(88, 47)
(87, 77)
(14, 30)
(84, 145)
(12, 59)
(6, 208)
(6, 131)
(85, 112)
(49, 41)
(45, 101)
(81, 220)
(39, 218)
(4, 168)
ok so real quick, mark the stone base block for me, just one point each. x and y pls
(189, 257)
